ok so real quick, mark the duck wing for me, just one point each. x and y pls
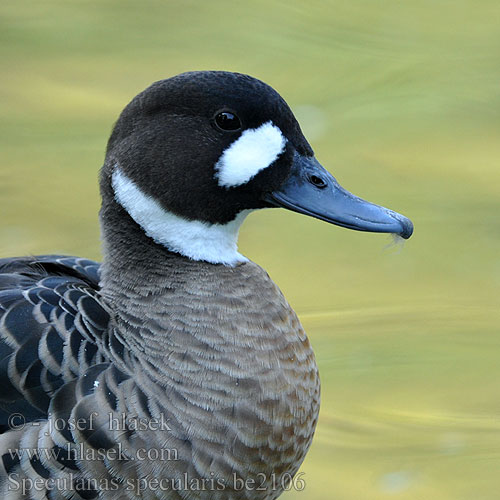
(51, 322)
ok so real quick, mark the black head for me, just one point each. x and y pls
(190, 155)
(171, 136)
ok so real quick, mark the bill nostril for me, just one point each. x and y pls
(317, 181)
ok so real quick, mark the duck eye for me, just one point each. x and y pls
(317, 181)
(227, 121)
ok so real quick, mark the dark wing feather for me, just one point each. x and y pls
(51, 323)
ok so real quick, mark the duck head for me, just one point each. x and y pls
(192, 155)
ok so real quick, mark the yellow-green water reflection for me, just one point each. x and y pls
(401, 101)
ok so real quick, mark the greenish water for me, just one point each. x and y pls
(401, 101)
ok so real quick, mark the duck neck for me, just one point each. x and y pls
(142, 277)
(195, 239)
(162, 300)
(137, 278)
(132, 260)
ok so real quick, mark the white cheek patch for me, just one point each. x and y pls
(215, 243)
(252, 152)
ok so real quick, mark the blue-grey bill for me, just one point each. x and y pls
(312, 190)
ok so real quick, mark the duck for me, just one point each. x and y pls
(175, 368)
